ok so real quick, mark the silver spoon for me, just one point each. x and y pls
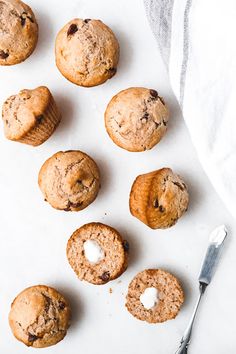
(211, 259)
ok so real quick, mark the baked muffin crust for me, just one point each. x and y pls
(87, 52)
(39, 316)
(159, 198)
(18, 32)
(69, 180)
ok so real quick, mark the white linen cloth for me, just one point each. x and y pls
(197, 39)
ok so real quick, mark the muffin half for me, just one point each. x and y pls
(97, 253)
(154, 296)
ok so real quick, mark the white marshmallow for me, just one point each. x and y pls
(149, 298)
(93, 252)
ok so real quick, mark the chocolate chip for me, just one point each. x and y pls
(72, 29)
(87, 20)
(30, 18)
(3, 55)
(157, 125)
(73, 205)
(47, 302)
(22, 21)
(155, 203)
(32, 338)
(105, 276)
(166, 178)
(62, 305)
(173, 221)
(126, 246)
(165, 123)
(67, 208)
(161, 208)
(39, 118)
(76, 205)
(154, 93)
(162, 101)
(112, 71)
(23, 18)
(180, 186)
(145, 116)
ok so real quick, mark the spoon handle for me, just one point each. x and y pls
(183, 348)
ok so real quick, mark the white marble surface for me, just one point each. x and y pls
(34, 236)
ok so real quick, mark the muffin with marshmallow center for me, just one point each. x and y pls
(97, 253)
(154, 296)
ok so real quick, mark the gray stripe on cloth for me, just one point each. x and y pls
(185, 52)
(159, 13)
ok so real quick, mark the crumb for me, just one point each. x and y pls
(110, 291)
(105, 213)
(119, 282)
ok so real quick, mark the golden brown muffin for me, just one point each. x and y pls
(154, 296)
(87, 52)
(97, 253)
(18, 32)
(136, 119)
(31, 116)
(158, 198)
(39, 316)
(69, 180)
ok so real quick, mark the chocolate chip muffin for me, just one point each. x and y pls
(18, 32)
(87, 52)
(69, 180)
(39, 316)
(136, 119)
(158, 198)
(97, 253)
(154, 296)
(31, 116)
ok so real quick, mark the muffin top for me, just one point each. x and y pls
(39, 316)
(18, 32)
(136, 118)
(69, 180)
(154, 296)
(23, 111)
(97, 253)
(87, 52)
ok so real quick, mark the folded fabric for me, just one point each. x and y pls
(197, 42)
